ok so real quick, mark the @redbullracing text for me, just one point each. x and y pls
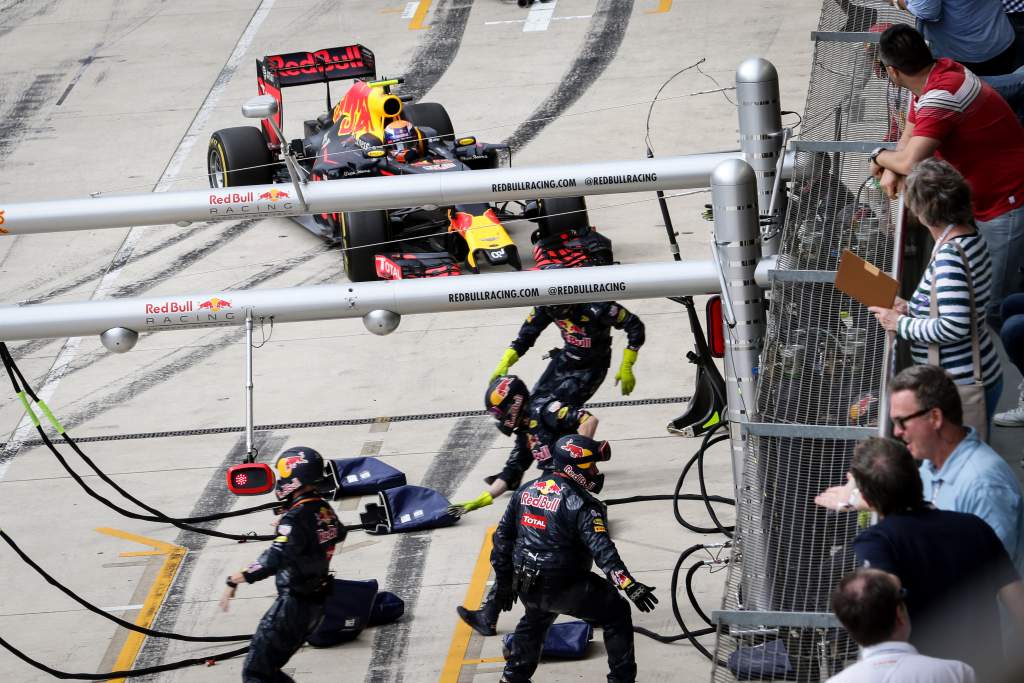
(460, 297)
(621, 179)
(587, 289)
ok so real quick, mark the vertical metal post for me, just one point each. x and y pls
(250, 451)
(734, 194)
(737, 242)
(760, 118)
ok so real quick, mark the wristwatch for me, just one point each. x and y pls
(230, 583)
(875, 152)
(851, 502)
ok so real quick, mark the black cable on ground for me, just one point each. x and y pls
(126, 673)
(728, 531)
(107, 615)
(156, 516)
(693, 598)
(669, 496)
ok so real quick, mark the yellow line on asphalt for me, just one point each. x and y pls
(174, 554)
(474, 595)
(421, 14)
(664, 6)
(485, 660)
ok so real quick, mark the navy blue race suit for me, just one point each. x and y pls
(545, 421)
(551, 534)
(579, 367)
(298, 559)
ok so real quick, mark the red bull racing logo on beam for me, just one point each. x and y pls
(230, 204)
(212, 311)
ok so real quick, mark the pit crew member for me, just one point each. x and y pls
(548, 539)
(577, 370)
(298, 559)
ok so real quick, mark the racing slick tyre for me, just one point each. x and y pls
(239, 156)
(363, 235)
(431, 115)
(561, 214)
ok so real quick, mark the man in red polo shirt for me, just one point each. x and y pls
(960, 118)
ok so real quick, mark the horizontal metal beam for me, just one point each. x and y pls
(837, 432)
(845, 36)
(819, 276)
(322, 302)
(363, 194)
(847, 146)
(790, 619)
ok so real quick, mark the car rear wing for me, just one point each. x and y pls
(275, 72)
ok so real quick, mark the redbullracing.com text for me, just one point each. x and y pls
(461, 297)
(533, 185)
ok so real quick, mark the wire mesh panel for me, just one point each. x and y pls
(820, 369)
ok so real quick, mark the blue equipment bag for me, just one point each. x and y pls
(387, 607)
(766, 662)
(360, 476)
(406, 508)
(346, 612)
(565, 640)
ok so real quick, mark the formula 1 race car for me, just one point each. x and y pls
(372, 132)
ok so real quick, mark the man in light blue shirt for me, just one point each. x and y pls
(975, 33)
(959, 471)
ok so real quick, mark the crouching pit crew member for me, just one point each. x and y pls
(537, 424)
(298, 559)
(544, 547)
(580, 366)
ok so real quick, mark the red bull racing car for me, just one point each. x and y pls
(371, 131)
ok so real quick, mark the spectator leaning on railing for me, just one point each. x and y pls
(869, 604)
(938, 315)
(963, 120)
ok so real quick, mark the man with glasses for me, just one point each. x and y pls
(952, 564)
(958, 471)
(870, 605)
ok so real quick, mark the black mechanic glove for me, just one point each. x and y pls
(504, 596)
(642, 596)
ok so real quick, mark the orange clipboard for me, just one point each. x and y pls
(865, 282)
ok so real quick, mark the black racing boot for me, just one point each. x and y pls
(477, 620)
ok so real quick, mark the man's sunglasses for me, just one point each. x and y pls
(901, 422)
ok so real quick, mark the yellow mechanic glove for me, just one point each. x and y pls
(625, 373)
(481, 501)
(508, 359)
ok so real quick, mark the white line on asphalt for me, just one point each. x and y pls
(523, 21)
(410, 9)
(539, 16)
(124, 252)
(121, 608)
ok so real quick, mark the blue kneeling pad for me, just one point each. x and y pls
(407, 508)
(361, 476)
(565, 640)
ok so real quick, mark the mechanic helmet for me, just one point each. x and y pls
(558, 311)
(297, 467)
(576, 457)
(505, 400)
(400, 136)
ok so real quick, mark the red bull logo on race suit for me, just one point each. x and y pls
(573, 334)
(285, 465)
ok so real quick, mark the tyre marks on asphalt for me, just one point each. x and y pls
(466, 442)
(437, 51)
(607, 30)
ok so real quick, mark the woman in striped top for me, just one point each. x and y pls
(940, 198)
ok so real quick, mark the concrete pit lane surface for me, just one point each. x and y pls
(122, 96)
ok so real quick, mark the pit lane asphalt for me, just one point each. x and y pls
(99, 95)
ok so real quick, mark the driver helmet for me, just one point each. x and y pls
(506, 400)
(400, 136)
(297, 467)
(576, 457)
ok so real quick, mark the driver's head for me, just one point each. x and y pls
(400, 136)
(506, 400)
